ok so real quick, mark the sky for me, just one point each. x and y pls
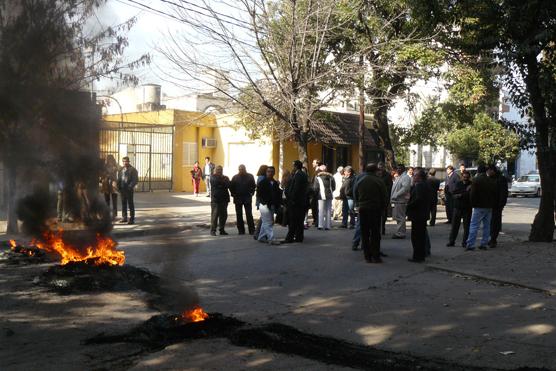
(146, 34)
(152, 30)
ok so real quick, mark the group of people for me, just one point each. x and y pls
(120, 180)
(363, 202)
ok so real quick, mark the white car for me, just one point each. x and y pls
(526, 185)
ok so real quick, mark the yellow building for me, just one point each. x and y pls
(163, 145)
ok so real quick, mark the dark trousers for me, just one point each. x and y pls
(127, 200)
(370, 232)
(495, 224)
(449, 206)
(434, 206)
(458, 215)
(296, 217)
(315, 210)
(240, 205)
(419, 238)
(218, 215)
(114, 197)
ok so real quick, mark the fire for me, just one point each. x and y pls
(195, 315)
(13, 244)
(20, 249)
(103, 252)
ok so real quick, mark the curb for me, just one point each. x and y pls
(490, 279)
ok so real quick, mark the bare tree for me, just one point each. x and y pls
(272, 56)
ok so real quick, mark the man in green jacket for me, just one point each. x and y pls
(371, 198)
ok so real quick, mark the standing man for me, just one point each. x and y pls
(418, 212)
(370, 197)
(208, 171)
(296, 196)
(242, 188)
(434, 185)
(387, 179)
(127, 180)
(337, 203)
(449, 186)
(499, 204)
(461, 169)
(462, 209)
(219, 199)
(483, 197)
(400, 196)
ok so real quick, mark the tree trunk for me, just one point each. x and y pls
(542, 229)
(302, 141)
(362, 130)
(11, 174)
(381, 118)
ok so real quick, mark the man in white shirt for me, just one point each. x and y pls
(400, 196)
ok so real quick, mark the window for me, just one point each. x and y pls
(189, 153)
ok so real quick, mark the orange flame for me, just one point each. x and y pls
(195, 315)
(13, 244)
(103, 252)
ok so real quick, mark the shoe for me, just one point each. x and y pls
(241, 232)
(326, 229)
(469, 249)
(482, 247)
(396, 237)
(351, 227)
(343, 226)
(383, 255)
(320, 229)
(123, 221)
(213, 233)
(492, 244)
(208, 195)
(131, 221)
(374, 261)
(431, 225)
(448, 222)
(355, 247)
(223, 233)
(450, 244)
(416, 260)
(287, 241)
(464, 245)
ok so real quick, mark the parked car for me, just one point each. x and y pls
(526, 185)
(441, 197)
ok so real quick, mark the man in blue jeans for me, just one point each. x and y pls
(483, 195)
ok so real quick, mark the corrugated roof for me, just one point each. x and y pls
(341, 128)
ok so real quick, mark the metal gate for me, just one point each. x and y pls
(149, 148)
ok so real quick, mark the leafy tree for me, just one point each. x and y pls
(486, 140)
(519, 36)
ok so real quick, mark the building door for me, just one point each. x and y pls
(328, 158)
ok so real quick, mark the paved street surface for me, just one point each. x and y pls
(465, 307)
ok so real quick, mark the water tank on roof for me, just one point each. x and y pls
(151, 94)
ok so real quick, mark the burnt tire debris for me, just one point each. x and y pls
(163, 330)
(73, 278)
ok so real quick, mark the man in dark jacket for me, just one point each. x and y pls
(434, 185)
(269, 195)
(219, 199)
(449, 185)
(296, 200)
(483, 196)
(242, 188)
(388, 182)
(371, 197)
(418, 211)
(462, 209)
(499, 204)
(127, 180)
